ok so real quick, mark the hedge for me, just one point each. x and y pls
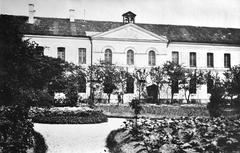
(155, 111)
(58, 116)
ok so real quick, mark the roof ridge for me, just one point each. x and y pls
(186, 33)
(180, 25)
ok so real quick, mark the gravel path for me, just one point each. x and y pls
(77, 138)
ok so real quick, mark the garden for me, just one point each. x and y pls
(185, 132)
(175, 135)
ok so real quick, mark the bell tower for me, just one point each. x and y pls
(129, 17)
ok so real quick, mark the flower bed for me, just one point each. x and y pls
(193, 135)
(67, 115)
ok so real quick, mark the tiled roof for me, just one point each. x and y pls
(63, 27)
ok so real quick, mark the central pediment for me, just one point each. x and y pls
(129, 32)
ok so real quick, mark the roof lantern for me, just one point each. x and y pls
(129, 17)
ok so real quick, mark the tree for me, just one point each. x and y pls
(157, 77)
(74, 75)
(217, 92)
(140, 75)
(190, 82)
(103, 76)
(109, 84)
(121, 82)
(96, 79)
(232, 82)
(173, 72)
(137, 108)
(23, 71)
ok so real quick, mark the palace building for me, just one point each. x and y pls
(135, 45)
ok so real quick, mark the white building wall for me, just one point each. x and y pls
(201, 50)
(120, 48)
(141, 49)
(71, 44)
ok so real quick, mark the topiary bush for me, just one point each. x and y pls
(216, 101)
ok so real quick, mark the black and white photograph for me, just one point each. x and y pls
(119, 76)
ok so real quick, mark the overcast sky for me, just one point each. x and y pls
(216, 13)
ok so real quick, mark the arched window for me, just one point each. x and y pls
(108, 56)
(130, 57)
(151, 58)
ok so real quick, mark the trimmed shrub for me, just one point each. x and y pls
(216, 101)
(57, 116)
(111, 143)
(40, 145)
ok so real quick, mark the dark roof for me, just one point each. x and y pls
(129, 13)
(176, 33)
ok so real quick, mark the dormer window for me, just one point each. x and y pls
(129, 17)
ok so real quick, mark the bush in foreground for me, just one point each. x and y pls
(193, 134)
(16, 132)
(68, 116)
(39, 146)
(111, 143)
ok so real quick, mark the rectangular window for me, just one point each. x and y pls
(193, 60)
(61, 53)
(227, 60)
(175, 86)
(82, 56)
(210, 60)
(193, 86)
(175, 57)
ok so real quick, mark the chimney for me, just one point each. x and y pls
(31, 13)
(72, 15)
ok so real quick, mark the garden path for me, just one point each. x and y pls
(77, 138)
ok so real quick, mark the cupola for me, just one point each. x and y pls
(129, 17)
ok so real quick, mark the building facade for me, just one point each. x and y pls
(134, 45)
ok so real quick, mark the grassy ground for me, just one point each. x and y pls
(154, 111)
